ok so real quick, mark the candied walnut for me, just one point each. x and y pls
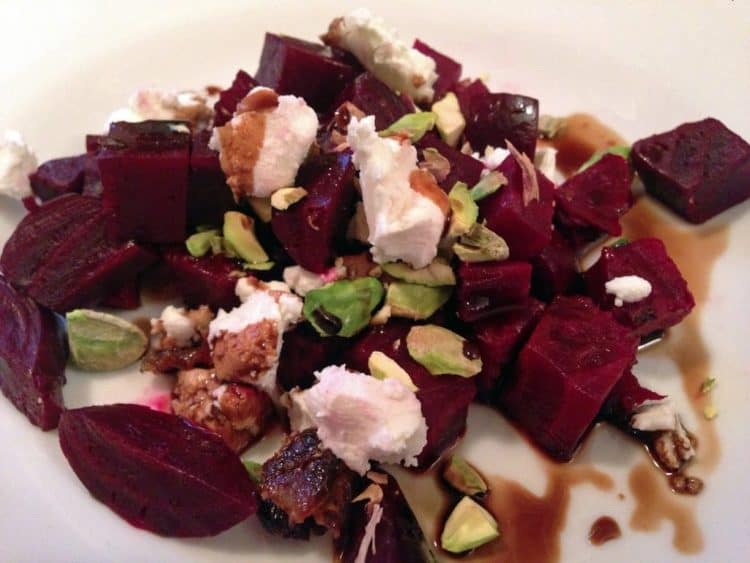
(685, 485)
(306, 481)
(239, 414)
(673, 448)
(276, 522)
(167, 355)
(246, 355)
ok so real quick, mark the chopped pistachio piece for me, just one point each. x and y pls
(460, 475)
(261, 206)
(449, 120)
(383, 367)
(488, 185)
(435, 163)
(259, 266)
(441, 351)
(103, 342)
(710, 412)
(438, 273)
(254, 469)
(284, 198)
(413, 125)
(343, 308)
(201, 243)
(468, 526)
(550, 126)
(382, 316)
(619, 150)
(481, 244)
(464, 210)
(708, 385)
(239, 237)
(414, 301)
(620, 242)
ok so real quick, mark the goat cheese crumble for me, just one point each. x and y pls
(178, 326)
(155, 103)
(17, 161)
(628, 289)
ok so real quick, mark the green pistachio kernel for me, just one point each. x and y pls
(202, 242)
(441, 351)
(413, 125)
(414, 301)
(481, 244)
(103, 342)
(343, 308)
(436, 274)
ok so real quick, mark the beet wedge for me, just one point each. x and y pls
(156, 470)
(32, 358)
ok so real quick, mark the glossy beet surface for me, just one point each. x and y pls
(375, 98)
(305, 69)
(565, 372)
(670, 300)
(208, 196)
(698, 169)
(448, 70)
(492, 119)
(229, 98)
(32, 357)
(303, 353)
(126, 297)
(310, 229)
(445, 399)
(156, 470)
(555, 269)
(204, 281)
(464, 168)
(526, 227)
(59, 176)
(484, 288)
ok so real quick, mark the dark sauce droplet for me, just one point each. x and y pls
(604, 529)
(330, 324)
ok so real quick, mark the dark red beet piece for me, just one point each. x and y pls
(555, 270)
(670, 300)
(624, 399)
(209, 196)
(144, 170)
(375, 98)
(59, 176)
(156, 470)
(32, 358)
(591, 202)
(293, 66)
(445, 400)
(467, 91)
(464, 168)
(500, 338)
(484, 288)
(698, 169)
(127, 297)
(493, 119)
(573, 359)
(229, 98)
(398, 537)
(303, 353)
(526, 228)
(448, 70)
(40, 232)
(205, 281)
(309, 230)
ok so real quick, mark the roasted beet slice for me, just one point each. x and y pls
(448, 70)
(467, 91)
(445, 399)
(555, 269)
(567, 369)
(209, 196)
(591, 202)
(698, 169)
(526, 227)
(500, 338)
(309, 230)
(670, 300)
(40, 232)
(305, 69)
(484, 288)
(375, 98)
(32, 358)
(228, 99)
(464, 168)
(492, 119)
(127, 297)
(59, 176)
(624, 399)
(144, 170)
(156, 470)
(205, 281)
(303, 353)
(398, 538)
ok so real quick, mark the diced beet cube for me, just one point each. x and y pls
(591, 202)
(526, 228)
(493, 119)
(59, 176)
(670, 300)
(310, 229)
(468, 91)
(445, 399)
(40, 232)
(92, 179)
(32, 358)
(293, 66)
(698, 169)
(485, 288)
(127, 297)
(209, 196)
(144, 169)
(624, 399)
(228, 99)
(499, 339)
(464, 167)
(375, 98)
(448, 70)
(573, 359)
(209, 280)
(303, 353)
(555, 269)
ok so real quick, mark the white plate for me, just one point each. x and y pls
(642, 66)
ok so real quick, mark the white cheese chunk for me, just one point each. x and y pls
(178, 326)
(360, 418)
(17, 161)
(628, 289)
(653, 416)
(493, 157)
(155, 103)
(545, 160)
